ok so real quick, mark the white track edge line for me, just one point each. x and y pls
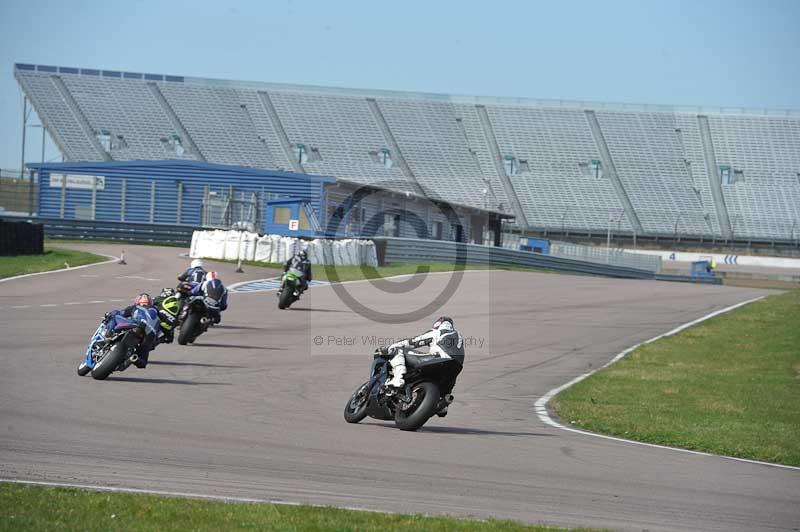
(540, 407)
(182, 494)
(111, 259)
(236, 285)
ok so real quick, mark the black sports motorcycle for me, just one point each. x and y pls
(429, 381)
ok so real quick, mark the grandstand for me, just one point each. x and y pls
(555, 166)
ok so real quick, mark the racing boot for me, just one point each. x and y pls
(398, 363)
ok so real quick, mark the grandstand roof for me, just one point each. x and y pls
(411, 95)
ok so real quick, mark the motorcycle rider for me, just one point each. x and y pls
(212, 288)
(167, 304)
(443, 341)
(142, 303)
(299, 261)
(194, 274)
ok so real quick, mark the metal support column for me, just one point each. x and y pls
(123, 203)
(94, 197)
(152, 201)
(63, 192)
(180, 202)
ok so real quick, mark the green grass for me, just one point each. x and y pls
(52, 259)
(64, 509)
(357, 273)
(729, 386)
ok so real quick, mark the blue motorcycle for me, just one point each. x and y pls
(116, 342)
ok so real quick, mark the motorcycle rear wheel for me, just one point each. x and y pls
(425, 398)
(188, 327)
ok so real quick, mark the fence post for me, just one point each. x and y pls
(30, 194)
(63, 192)
(94, 197)
(204, 208)
(180, 203)
(123, 203)
(152, 200)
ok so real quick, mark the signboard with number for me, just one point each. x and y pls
(83, 182)
(294, 225)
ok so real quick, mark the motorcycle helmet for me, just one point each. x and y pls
(197, 263)
(303, 255)
(166, 292)
(443, 323)
(143, 300)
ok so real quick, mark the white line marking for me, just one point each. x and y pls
(540, 407)
(73, 303)
(234, 286)
(87, 275)
(49, 305)
(184, 494)
(110, 260)
(116, 300)
(20, 306)
(96, 301)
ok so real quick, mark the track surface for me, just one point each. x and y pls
(254, 409)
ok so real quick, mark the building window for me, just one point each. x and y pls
(303, 220)
(524, 166)
(436, 230)
(282, 215)
(385, 158)
(391, 225)
(511, 165)
(725, 175)
(457, 232)
(173, 145)
(300, 153)
(730, 176)
(382, 157)
(315, 156)
(120, 143)
(104, 138)
(592, 169)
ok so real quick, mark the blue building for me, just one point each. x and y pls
(202, 194)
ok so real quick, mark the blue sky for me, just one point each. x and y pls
(715, 53)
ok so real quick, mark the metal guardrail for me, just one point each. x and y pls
(599, 255)
(410, 250)
(102, 230)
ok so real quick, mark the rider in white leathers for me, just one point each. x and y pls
(443, 340)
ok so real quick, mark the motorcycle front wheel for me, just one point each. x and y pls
(356, 408)
(114, 357)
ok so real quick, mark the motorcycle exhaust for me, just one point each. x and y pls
(133, 358)
(448, 398)
(204, 320)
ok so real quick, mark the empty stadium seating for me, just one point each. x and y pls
(549, 163)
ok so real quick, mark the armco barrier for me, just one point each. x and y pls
(409, 250)
(98, 230)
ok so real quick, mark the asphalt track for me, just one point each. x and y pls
(255, 408)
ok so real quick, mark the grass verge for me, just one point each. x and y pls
(25, 507)
(729, 386)
(52, 259)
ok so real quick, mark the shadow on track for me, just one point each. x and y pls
(167, 381)
(461, 430)
(306, 309)
(239, 327)
(194, 364)
(234, 346)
